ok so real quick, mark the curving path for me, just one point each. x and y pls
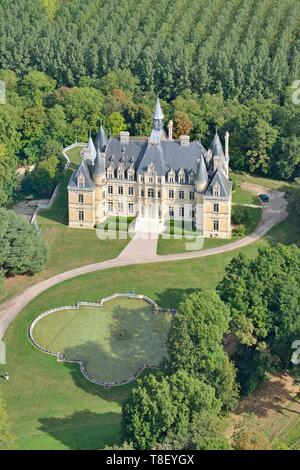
(144, 251)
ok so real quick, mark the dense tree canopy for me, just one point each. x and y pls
(21, 248)
(161, 405)
(264, 301)
(195, 343)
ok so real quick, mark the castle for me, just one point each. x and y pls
(153, 180)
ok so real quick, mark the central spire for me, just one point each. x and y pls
(158, 116)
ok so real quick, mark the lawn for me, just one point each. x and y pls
(113, 340)
(174, 244)
(239, 195)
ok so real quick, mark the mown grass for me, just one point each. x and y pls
(113, 340)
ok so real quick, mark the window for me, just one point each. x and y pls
(142, 179)
(216, 225)
(130, 191)
(159, 180)
(158, 194)
(120, 190)
(171, 179)
(216, 190)
(150, 180)
(150, 192)
(80, 198)
(181, 211)
(192, 195)
(81, 215)
(130, 208)
(171, 194)
(181, 194)
(110, 189)
(192, 214)
(216, 207)
(142, 193)
(80, 181)
(110, 206)
(120, 175)
(120, 206)
(110, 176)
(181, 177)
(171, 211)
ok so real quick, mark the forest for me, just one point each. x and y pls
(70, 65)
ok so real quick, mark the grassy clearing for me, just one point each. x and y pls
(113, 340)
(173, 244)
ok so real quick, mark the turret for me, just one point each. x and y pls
(101, 139)
(201, 180)
(158, 117)
(99, 167)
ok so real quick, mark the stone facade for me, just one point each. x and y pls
(153, 180)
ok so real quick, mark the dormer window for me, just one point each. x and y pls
(181, 177)
(80, 181)
(171, 176)
(120, 173)
(216, 190)
(191, 177)
(130, 174)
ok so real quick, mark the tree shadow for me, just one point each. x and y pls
(83, 430)
(59, 210)
(170, 298)
(272, 395)
(135, 336)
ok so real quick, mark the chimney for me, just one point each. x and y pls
(227, 145)
(124, 137)
(170, 130)
(184, 140)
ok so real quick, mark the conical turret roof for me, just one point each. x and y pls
(99, 164)
(101, 139)
(158, 114)
(202, 175)
(216, 146)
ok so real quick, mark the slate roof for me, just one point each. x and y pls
(224, 183)
(202, 175)
(216, 146)
(82, 169)
(158, 114)
(101, 139)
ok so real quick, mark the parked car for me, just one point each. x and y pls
(264, 197)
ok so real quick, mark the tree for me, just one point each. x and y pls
(115, 123)
(195, 343)
(182, 124)
(208, 432)
(248, 436)
(287, 154)
(264, 302)
(22, 249)
(161, 405)
(8, 181)
(36, 86)
(43, 179)
(6, 438)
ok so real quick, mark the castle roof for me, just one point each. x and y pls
(158, 114)
(101, 139)
(216, 146)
